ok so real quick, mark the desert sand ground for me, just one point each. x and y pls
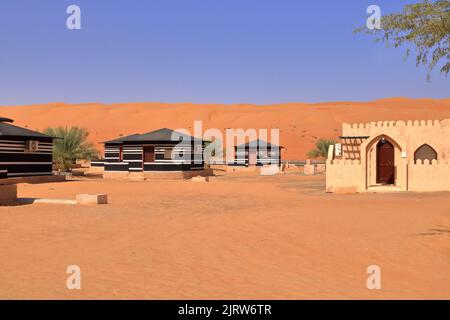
(300, 124)
(236, 237)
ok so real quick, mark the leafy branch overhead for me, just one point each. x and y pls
(424, 27)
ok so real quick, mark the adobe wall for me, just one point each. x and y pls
(426, 176)
(344, 176)
(406, 137)
(410, 134)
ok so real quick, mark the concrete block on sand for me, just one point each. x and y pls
(200, 179)
(269, 170)
(8, 194)
(309, 169)
(92, 198)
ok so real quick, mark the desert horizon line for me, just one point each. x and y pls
(56, 103)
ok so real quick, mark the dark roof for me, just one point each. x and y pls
(6, 120)
(161, 135)
(260, 143)
(9, 130)
(120, 140)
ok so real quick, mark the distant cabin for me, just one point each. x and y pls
(23, 152)
(160, 150)
(256, 153)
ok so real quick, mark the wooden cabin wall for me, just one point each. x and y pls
(112, 158)
(133, 158)
(19, 162)
(162, 163)
(132, 154)
(241, 157)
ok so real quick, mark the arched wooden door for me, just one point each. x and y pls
(385, 162)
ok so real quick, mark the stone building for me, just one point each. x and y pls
(391, 156)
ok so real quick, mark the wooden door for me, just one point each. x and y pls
(121, 154)
(385, 162)
(149, 154)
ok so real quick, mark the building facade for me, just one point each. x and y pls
(256, 153)
(163, 150)
(24, 153)
(391, 156)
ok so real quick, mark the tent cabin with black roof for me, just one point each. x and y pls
(155, 151)
(256, 153)
(24, 153)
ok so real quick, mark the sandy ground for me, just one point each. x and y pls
(235, 237)
(300, 124)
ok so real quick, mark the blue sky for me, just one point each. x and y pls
(201, 51)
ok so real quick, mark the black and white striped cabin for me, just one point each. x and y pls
(257, 153)
(160, 150)
(23, 152)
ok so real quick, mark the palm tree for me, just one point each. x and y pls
(70, 144)
(321, 149)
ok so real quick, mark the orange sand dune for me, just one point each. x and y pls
(300, 124)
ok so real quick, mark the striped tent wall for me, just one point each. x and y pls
(185, 159)
(263, 157)
(16, 160)
(112, 161)
(132, 158)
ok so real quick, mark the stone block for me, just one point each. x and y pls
(200, 179)
(92, 198)
(270, 170)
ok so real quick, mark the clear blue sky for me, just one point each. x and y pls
(202, 51)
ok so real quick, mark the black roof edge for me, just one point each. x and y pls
(2, 119)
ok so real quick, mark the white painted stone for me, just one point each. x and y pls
(92, 199)
(200, 179)
(270, 170)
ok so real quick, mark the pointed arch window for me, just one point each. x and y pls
(425, 152)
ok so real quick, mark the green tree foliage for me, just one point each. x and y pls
(321, 149)
(423, 27)
(71, 144)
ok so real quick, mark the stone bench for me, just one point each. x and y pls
(92, 198)
(200, 179)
